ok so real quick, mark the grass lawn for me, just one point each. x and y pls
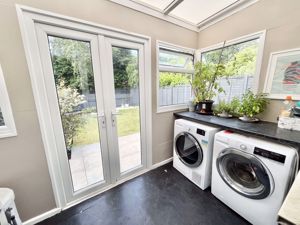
(127, 123)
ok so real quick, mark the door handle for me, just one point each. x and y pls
(114, 117)
(102, 119)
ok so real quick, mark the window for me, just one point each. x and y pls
(242, 59)
(7, 124)
(175, 72)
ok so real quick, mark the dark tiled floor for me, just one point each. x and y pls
(160, 197)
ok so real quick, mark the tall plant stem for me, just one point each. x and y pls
(217, 69)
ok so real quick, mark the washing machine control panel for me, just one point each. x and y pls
(270, 155)
(201, 132)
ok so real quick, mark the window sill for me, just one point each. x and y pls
(171, 108)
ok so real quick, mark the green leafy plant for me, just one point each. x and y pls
(222, 107)
(230, 108)
(167, 79)
(205, 83)
(72, 120)
(235, 105)
(252, 104)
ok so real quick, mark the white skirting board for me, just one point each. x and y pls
(55, 211)
(42, 217)
(156, 165)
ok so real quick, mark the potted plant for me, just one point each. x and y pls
(251, 105)
(223, 109)
(235, 105)
(227, 110)
(205, 84)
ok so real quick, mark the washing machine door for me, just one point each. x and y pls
(245, 173)
(188, 149)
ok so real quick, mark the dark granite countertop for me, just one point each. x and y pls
(262, 128)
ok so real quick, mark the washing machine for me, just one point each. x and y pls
(192, 154)
(252, 176)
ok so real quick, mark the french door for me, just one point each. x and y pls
(95, 91)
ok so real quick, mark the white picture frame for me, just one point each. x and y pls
(7, 124)
(283, 75)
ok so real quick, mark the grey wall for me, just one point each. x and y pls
(23, 165)
(280, 19)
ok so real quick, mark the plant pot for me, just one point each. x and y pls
(225, 115)
(248, 119)
(69, 154)
(204, 107)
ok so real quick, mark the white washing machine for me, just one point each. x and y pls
(192, 155)
(252, 176)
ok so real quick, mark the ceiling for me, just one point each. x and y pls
(192, 14)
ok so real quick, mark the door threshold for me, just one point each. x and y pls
(93, 194)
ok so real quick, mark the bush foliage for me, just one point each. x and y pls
(173, 79)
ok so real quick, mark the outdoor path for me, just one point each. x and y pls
(86, 163)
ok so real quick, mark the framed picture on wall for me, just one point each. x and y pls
(7, 124)
(283, 75)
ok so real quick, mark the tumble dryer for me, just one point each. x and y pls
(192, 154)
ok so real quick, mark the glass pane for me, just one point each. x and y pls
(240, 65)
(1, 119)
(175, 59)
(190, 10)
(74, 80)
(174, 88)
(126, 84)
(159, 4)
(187, 149)
(241, 174)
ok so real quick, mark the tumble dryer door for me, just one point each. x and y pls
(245, 173)
(188, 149)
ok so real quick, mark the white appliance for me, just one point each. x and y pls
(8, 211)
(252, 176)
(192, 154)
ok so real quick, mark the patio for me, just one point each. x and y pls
(86, 162)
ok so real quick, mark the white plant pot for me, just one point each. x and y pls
(248, 119)
(224, 115)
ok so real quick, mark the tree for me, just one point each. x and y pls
(72, 61)
(237, 59)
(125, 66)
(63, 70)
(69, 99)
(133, 73)
(243, 63)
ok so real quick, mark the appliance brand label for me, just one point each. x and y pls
(204, 142)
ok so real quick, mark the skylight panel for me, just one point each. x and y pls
(196, 11)
(159, 4)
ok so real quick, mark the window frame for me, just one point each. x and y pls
(9, 128)
(166, 45)
(261, 35)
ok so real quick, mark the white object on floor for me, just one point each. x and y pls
(252, 176)
(192, 151)
(8, 211)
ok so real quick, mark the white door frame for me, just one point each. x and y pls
(111, 103)
(43, 31)
(28, 17)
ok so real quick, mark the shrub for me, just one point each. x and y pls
(173, 79)
(72, 120)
